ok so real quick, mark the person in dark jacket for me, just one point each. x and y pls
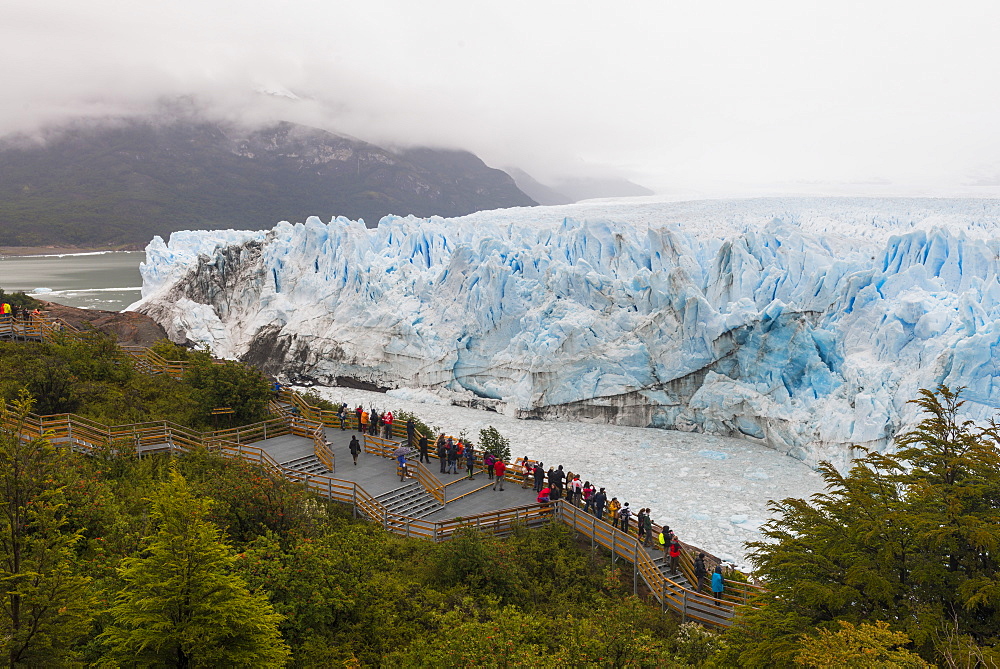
(411, 432)
(442, 453)
(488, 462)
(539, 474)
(717, 582)
(424, 457)
(647, 524)
(452, 457)
(699, 571)
(470, 460)
(355, 448)
(600, 499)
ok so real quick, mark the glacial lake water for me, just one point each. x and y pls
(104, 280)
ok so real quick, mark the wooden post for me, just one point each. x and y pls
(635, 569)
(663, 593)
(614, 553)
(593, 531)
(684, 605)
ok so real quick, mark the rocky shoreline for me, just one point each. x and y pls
(127, 327)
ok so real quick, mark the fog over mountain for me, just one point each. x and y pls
(696, 98)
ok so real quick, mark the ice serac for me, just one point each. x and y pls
(804, 323)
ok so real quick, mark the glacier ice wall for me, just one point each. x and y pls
(804, 323)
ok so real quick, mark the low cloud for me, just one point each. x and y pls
(676, 96)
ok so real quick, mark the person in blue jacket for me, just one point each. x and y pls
(717, 586)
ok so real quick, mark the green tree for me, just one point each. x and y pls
(863, 646)
(47, 607)
(243, 388)
(491, 440)
(181, 604)
(911, 538)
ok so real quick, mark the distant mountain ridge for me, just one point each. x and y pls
(123, 182)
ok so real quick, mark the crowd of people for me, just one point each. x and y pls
(12, 312)
(456, 456)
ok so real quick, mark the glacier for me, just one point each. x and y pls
(803, 323)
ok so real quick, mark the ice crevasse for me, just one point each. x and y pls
(804, 323)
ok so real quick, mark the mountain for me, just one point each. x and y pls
(568, 190)
(586, 188)
(123, 182)
(804, 323)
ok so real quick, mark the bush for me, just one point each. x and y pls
(491, 440)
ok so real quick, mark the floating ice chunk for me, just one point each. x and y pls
(41, 291)
(738, 519)
(712, 455)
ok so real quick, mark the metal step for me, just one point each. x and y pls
(309, 464)
(409, 499)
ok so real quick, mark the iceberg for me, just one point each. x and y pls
(803, 323)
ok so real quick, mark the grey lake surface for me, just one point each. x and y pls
(101, 280)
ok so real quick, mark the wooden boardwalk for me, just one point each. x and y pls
(305, 445)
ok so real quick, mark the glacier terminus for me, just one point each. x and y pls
(803, 323)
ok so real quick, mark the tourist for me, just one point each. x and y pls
(400, 454)
(543, 496)
(699, 571)
(470, 461)
(460, 451)
(442, 452)
(675, 555)
(560, 477)
(411, 431)
(624, 518)
(359, 411)
(342, 415)
(499, 468)
(647, 525)
(424, 457)
(614, 506)
(526, 470)
(576, 490)
(718, 582)
(640, 525)
(662, 539)
(363, 418)
(488, 462)
(452, 457)
(355, 448)
(539, 476)
(588, 496)
(387, 422)
(599, 500)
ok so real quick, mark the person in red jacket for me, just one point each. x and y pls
(387, 421)
(499, 468)
(675, 555)
(543, 496)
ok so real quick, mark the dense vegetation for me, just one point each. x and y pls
(94, 378)
(911, 539)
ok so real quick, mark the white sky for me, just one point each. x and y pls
(677, 95)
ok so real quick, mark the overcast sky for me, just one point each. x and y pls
(698, 95)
